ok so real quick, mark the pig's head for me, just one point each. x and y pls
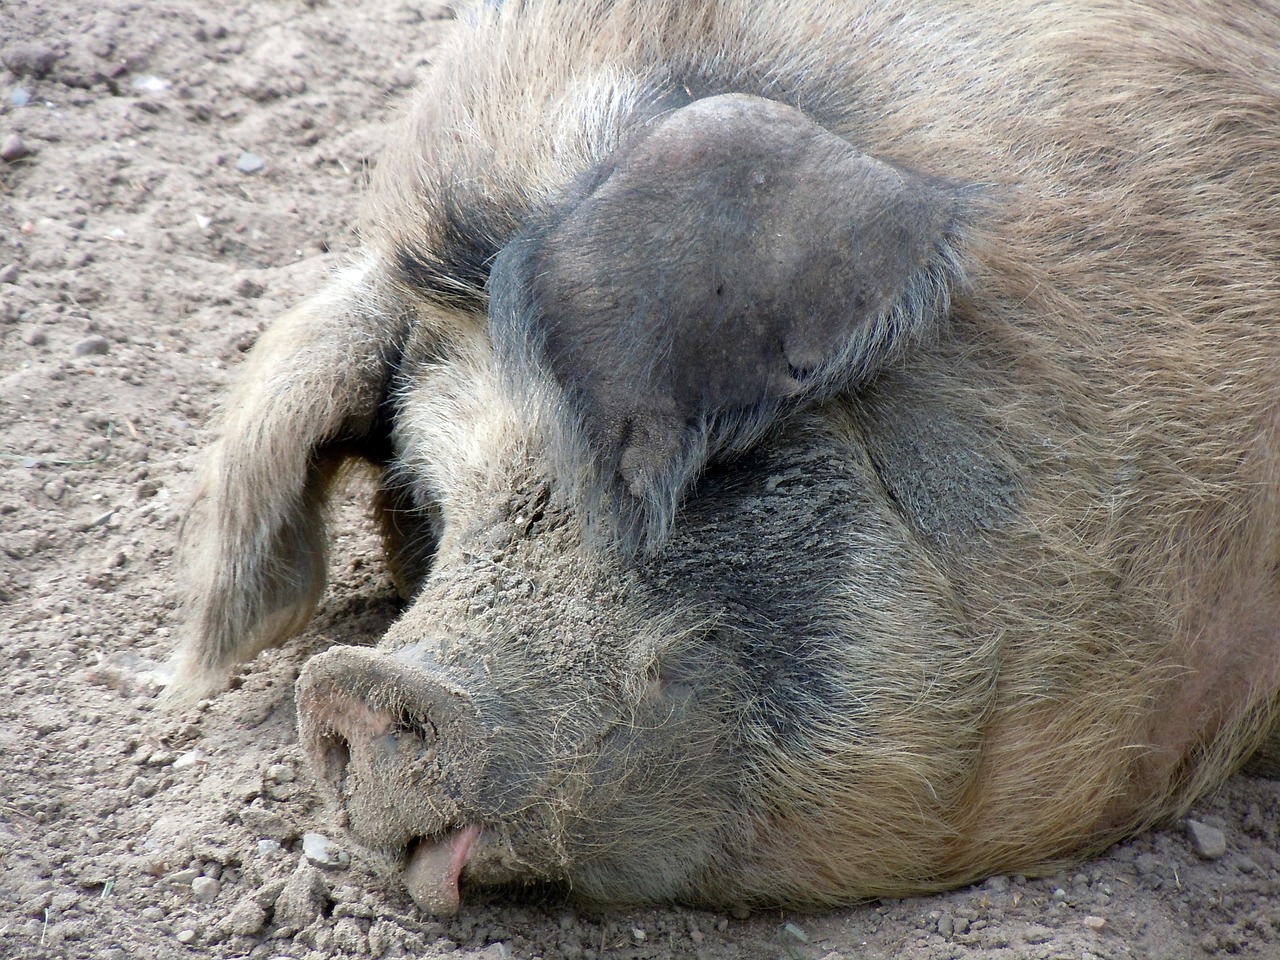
(622, 491)
(637, 727)
(606, 633)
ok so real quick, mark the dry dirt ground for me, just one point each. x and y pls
(175, 173)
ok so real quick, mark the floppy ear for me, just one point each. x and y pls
(733, 261)
(253, 560)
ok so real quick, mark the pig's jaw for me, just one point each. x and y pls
(434, 867)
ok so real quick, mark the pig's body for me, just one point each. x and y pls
(980, 574)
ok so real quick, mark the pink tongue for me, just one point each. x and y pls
(434, 867)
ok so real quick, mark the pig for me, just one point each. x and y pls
(826, 450)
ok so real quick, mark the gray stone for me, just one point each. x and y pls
(1208, 842)
(13, 148)
(250, 163)
(205, 889)
(181, 878)
(323, 852)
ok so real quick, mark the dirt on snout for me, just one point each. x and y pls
(173, 174)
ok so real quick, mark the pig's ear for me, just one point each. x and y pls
(729, 264)
(253, 558)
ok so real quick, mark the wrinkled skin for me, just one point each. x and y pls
(845, 466)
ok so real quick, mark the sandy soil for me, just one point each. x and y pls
(175, 173)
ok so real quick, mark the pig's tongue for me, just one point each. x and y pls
(434, 867)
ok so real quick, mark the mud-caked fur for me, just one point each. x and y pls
(977, 575)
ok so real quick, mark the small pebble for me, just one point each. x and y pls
(186, 936)
(1208, 842)
(250, 289)
(281, 773)
(205, 889)
(35, 337)
(268, 848)
(19, 97)
(188, 759)
(1093, 923)
(180, 878)
(9, 273)
(101, 520)
(740, 912)
(92, 347)
(795, 932)
(13, 148)
(250, 163)
(323, 852)
(149, 84)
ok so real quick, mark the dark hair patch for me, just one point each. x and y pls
(456, 269)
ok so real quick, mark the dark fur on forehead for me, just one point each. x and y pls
(456, 269)
(731, 263)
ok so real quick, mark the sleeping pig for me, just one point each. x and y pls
(827, 450)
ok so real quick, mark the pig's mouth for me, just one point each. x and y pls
(384, 736)
(433, 869)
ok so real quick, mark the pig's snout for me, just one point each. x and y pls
(380, 731)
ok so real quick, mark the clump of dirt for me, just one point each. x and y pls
(173, 174)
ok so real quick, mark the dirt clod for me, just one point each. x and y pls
(303, 898)
(29, 59)
(92, 347)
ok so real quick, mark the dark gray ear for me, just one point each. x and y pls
(733, 261)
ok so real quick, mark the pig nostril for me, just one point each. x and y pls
(335, 756)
